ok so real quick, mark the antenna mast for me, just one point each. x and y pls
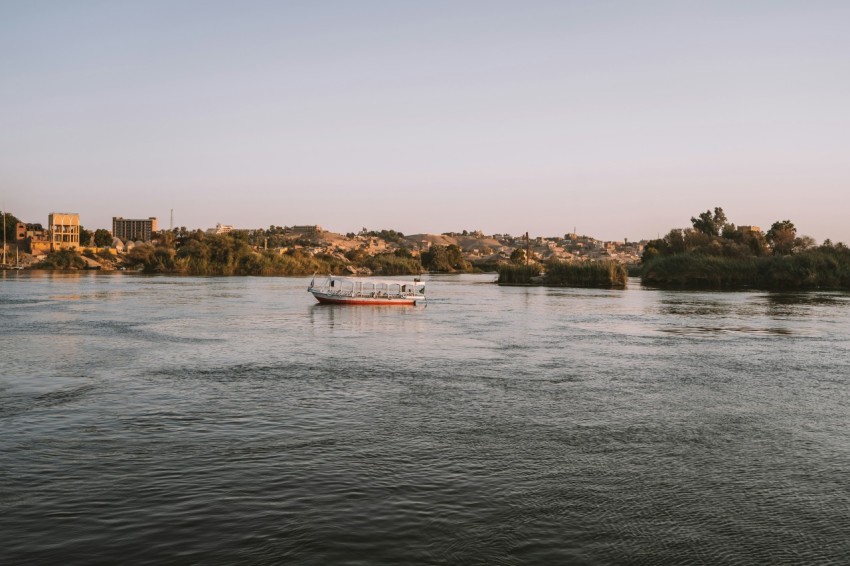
(171, 225)
(4, 237)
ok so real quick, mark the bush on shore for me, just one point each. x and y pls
(62, 259)
(392, 264)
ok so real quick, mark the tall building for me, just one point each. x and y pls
(127, 229)
(64, 230)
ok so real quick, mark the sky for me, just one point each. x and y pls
(617, 119)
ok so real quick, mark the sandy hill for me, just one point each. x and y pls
(468, 243)
(435, 239)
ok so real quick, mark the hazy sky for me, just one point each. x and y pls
(623, 119)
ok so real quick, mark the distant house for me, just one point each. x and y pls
(34, 239)
(220, 229)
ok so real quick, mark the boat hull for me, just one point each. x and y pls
(329, 299)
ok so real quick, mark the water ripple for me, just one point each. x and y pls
(226, 420)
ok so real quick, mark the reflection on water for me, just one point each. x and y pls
(812, 298)
(753, 313)
(348, 317)
(234, 420)
(697, 330)
(695, 306)
(802, 305)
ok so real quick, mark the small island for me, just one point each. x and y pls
(716, 254)
(554, 273)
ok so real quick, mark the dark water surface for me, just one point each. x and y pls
(225, 420)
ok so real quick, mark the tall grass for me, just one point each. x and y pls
(517, 274)
(586, 274)
(566, 274)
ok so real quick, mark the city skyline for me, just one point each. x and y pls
(620, 120)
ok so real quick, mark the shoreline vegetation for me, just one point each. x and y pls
(821, 268)
(712, 254)
(231, 254)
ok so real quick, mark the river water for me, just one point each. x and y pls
(223, 420)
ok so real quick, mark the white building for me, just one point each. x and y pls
(220, 229)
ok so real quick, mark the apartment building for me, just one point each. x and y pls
(133, 229)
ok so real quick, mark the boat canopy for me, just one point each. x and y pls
(366, 286)
(369, 281)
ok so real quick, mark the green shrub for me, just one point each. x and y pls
(392, 264)
(62, 259)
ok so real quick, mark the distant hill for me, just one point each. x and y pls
(434, 239)
(466, 243)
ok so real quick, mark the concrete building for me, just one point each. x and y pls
(133, 229)
(35, 239)
(64, 230)
(35, 230)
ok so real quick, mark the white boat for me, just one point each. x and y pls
(367, 291)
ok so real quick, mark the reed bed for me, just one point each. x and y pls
(566, 274)
(518, 274)
(586, 274)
